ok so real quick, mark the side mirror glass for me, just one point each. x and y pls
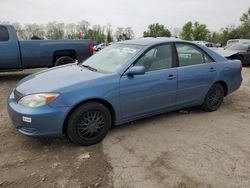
(136, 70)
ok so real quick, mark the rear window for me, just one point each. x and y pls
(191, 55)
(4, 35)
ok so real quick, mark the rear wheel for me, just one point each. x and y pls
(214, 98)
(63, 60)
(89, 124)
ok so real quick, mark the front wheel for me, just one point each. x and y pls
(214, 98)
(89, 124)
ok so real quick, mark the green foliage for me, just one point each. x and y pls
(245, 27)
(200, 32)
(194, 31)
(187, 31)
(55, 30)
(232, 32)
(96, 33)
(157, 30)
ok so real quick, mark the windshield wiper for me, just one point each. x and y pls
(89, 67)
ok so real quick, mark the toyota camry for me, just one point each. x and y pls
(126, 81)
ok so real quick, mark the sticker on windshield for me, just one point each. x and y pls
(129, 50)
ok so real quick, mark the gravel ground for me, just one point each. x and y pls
(180, 149)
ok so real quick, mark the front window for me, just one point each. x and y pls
(157, 58)
(112, 58)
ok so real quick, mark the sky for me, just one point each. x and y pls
(137, 14)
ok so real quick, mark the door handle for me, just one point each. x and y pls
(171, 77)
(212, 69)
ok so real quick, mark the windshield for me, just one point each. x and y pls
(112, 58)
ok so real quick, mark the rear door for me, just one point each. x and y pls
(196, 72)
(9, 51)
(153, 91)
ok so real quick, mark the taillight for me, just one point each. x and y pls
(91, 48)
(240, 67)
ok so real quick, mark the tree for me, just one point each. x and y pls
(232, 32)
(245, 27)
(71, 31)
(20, 31)
(194, 31)
(157, 30)
(55, 30)
(176, 32)
(200, 31)
(29, 31)
(98, 33)
(32, 30)
(128, 33)
(187, 31)
(124, 33)
(225, 34)
(82, 29)
(109, 33)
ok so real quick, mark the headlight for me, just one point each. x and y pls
(39, 99)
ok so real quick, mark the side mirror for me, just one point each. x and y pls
(136, 70)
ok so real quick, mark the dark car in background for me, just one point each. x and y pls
(237, 49)
(18, 55)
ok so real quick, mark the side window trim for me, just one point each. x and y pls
(196, 47)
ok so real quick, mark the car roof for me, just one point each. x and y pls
(150, 41)
(159, 40)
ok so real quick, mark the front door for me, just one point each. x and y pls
(153, 91)
(9, 53)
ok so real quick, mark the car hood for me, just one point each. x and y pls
(57, 78)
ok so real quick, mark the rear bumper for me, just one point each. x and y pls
(43, 121)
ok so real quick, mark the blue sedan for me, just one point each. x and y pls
(126, 81)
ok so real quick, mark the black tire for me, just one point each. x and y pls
(214, 98)
(63, 60)
(89, 124)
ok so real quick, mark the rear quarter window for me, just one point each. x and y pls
(4, 35)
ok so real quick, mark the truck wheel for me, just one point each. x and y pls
(214, 98)
(89, 124)
(63, 60)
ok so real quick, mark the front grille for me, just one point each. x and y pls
(17, 95)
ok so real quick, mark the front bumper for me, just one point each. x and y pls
(43, 121)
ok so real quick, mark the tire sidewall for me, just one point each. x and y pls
(63, 60)
(206, 105)
(77, 113)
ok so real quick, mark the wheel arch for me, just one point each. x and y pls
(60, 53)
(107, 104)
(224, 85)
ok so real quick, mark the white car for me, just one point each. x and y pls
(100, 46)
(207, 44)
(241, 41)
